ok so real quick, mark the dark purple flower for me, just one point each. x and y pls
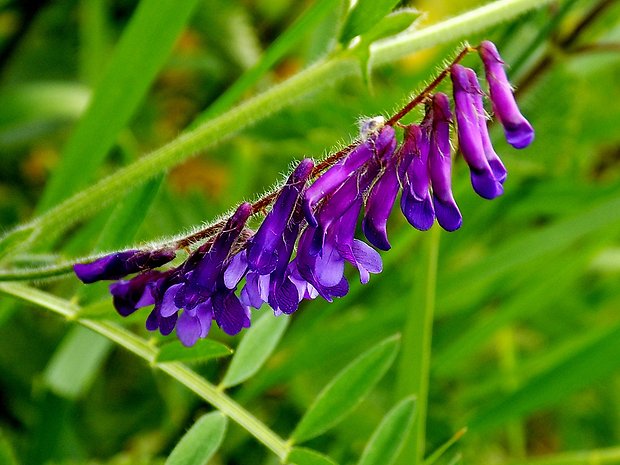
(262, 252)
(120, 264)
(440, 164)
(519, 132)
(379, 206)
(195, 324)
(205, 276)
(413, 172)
(466, 89)
(374, 146)
(231, 315)
(130, 295)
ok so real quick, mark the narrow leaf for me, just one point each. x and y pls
(347, 390)
(199, 444)
(202, 351)
(140, 54)
(75, 363)
(254, 349)
(392, 24)
(303, 456)
(388, 439)
(363, 16)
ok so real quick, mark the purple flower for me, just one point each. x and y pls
(440, 164)
(413, 173)
(205, 276)
(130, 295)
(379, 206)
(375, 145)
(120, 264)
(466, 91)
(263, 249)
(519, 132)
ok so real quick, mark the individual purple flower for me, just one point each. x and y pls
(374, 146)
(466, 89)
(413, 172)
(440, 164)
(120, 264)
(379, 206)
(263, 248)
(518, 130)
(205, 276)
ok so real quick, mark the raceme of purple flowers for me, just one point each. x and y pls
(300, 249)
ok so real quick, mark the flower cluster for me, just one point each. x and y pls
(300, 249)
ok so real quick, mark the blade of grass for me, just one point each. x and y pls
(414, 367)
(276, 51)
(140, 54)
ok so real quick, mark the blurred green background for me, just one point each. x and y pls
(526, 341)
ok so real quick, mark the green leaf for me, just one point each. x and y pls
(347, 390)
(255, 347)
(392, 24)
(203, 350)
(304, 456)
(363, 16)
(75, 363)
(388, 439)
(140, 54)
(201, 441)
(7, 455)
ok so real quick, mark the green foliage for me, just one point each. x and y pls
(364, 16)
(346, 390)
(254, 349)
(205, 350)
(202, 440)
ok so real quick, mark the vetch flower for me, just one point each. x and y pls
(414, 176)
(518, 130)
(466, 89)
(440, 164)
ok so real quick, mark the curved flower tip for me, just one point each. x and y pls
(448, 214)
(419, 213)
(120, 264)
(519, 132)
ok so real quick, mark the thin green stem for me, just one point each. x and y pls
(325, 73)
(413, 375)
(144, 350)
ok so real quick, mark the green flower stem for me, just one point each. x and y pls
(413, 375)
(144, 350)
(325, 73)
